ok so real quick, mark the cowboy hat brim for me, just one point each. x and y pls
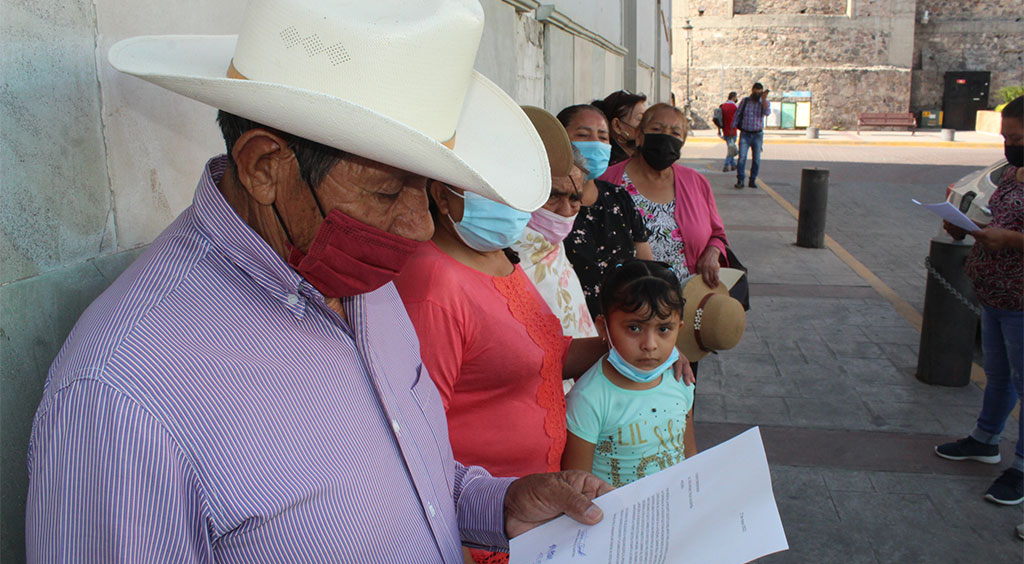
(498, 153)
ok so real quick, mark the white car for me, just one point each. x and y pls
(971, 193)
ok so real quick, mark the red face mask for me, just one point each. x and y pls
(348, 257)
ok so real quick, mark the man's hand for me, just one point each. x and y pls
(707, 265)
(538, 498)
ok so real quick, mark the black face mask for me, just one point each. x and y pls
(1014, 154)
(660, 150)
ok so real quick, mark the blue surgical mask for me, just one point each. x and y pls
(632, 372)
(487, 225)
(597, 155)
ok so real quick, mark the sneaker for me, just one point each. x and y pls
(753, 183)
(733, 167)
(1008, 489)
(968, 448)
(725, 169)
(738, 185)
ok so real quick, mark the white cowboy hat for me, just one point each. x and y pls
(712, 320)
(388, 80)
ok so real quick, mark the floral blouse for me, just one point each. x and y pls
(556, 281)
(666, 239)
(605, 234)
(998, 276)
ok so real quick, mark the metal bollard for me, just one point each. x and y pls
(810, 230)
(812, 132)
(949, 326)
(948, 134)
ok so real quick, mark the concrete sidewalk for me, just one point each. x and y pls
(885, 137)
(826, 368)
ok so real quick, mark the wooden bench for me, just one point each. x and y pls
(887, 120)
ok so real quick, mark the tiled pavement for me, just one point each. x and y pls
(826, 368)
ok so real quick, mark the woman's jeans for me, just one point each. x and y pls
(1002, 343)
(754, 140)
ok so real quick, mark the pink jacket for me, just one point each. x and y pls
(696, 211)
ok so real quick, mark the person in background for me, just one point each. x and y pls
(541, 251)
(725, 114)
(996, 266)
(622, 109)
(629, 393)
(608, 229)
(749, 120)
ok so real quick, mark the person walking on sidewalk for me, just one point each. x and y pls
(749, 119)
(996, 266)
(724, 116)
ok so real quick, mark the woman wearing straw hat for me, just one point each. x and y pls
(250, 390)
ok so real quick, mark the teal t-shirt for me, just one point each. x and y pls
(636, 432)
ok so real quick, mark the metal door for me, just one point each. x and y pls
(965, 93)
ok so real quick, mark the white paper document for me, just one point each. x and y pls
(948, 211)
(717, 506)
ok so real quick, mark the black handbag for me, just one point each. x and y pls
(741, 290)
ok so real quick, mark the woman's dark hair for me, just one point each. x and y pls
(618, 104)
(315, 160)
(1015, 109)
(636, 285)
(568, 114)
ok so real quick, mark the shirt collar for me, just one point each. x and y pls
(243, 247)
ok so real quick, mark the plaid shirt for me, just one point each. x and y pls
(750, 115)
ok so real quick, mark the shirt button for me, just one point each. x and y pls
(292, 299)
(430, 506)
(394, 425)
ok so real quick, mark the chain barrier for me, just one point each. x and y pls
(949, 287)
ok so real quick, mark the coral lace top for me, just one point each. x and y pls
(495, 352)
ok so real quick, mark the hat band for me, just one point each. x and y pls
(233, 73)
(697, 315)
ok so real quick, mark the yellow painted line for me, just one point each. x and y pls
(933, 144)
(902, 306)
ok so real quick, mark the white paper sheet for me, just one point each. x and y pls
(717, 506)
(948, 211)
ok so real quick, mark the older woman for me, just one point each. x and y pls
(542, 252)
(623, 109)
(675, 201)
(608, 230)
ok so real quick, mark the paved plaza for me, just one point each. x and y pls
(826, 367)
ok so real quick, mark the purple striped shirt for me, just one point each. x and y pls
(209, 406)
(750, 115)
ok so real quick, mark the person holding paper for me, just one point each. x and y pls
(625, 418)
(996, 266)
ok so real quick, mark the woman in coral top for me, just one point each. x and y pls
(488, 340)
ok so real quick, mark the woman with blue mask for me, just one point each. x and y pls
(490, 343)
(608, 230)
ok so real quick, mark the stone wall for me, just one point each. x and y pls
(809, 7)
(966, 36)
(839, 94)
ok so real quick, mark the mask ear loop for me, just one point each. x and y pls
(323, 216)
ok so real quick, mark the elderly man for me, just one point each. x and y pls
(250, 390)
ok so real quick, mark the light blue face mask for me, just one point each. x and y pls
(597, 154)
(632, 372)
(487, 225)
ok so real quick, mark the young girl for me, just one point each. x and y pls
(627, 416)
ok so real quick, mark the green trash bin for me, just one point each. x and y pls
(930, 119)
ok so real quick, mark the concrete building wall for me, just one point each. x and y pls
(881, 55)
(95, 164)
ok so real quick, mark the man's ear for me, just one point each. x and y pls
(263, 161)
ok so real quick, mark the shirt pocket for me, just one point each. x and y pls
(425, 395)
